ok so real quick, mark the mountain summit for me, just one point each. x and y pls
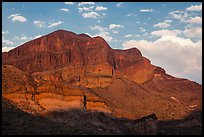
(63, 48)
(64, 70)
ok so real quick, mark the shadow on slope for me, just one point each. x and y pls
(80, 122)
(72, 122)
(190, 125)
(17, 122)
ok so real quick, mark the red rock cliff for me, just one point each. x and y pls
(62, 48)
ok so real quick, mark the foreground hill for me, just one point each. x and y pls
(17, 122)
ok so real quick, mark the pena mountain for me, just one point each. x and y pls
(63, 70)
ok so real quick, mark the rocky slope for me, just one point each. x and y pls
(72, 122)
(64, 70)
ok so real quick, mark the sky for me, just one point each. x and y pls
(167, 33)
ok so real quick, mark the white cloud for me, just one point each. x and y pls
(112, 26)
(165, 32)
(6, 49)
(183, 16)
(17, 17)
(39, 23)
(86, 3)
(145, 34)
(180, 15)
(80, 9)
(105, 35)
(168, 21)
(193, 32)
(150, 36)
(64, 9)
(188, 26)
(131, 35)
(100, 8)
(55, 24)
(6, 42)
(69, 3)
(120, 4)
(195, 8)
(197, 20)
(23, 38)
(175, 39)
(99, 28)
(178, 56)
(92, 15)
(136, 35)
(162, 25)
(88, 12)
(115, 31)
(86, 8)
(130, 14)
(142, 29)
(4, 32)
(103, 32)
(146, 10)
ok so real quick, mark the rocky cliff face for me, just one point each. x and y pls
(58, 49)
(123, 82)
(66, 49)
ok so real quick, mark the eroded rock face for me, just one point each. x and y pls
(63, 66)
(57, 49)
(91, 55)
(126, 58)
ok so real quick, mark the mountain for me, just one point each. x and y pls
(62, 48)
(63, 70)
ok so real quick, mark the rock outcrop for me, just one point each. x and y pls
(61, 68)
(86, 55)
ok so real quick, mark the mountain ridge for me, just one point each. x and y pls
(121, 82)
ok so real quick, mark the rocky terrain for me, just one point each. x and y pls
(72, 122)
(63, 71)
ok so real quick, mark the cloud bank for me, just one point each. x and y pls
(180, 57)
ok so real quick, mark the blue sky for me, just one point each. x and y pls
(168, 33)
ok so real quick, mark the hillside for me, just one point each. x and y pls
(64, 71)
